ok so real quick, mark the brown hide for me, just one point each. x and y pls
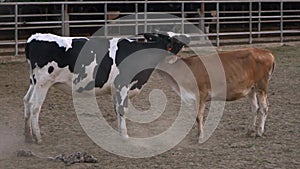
(244, 69)
(247, 73)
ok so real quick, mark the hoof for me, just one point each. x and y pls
(200, 138)
(125, 136)
(38, 141)
(250, 133)
(29, 140)
(258, 135)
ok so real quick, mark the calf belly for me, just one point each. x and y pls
(229, 94)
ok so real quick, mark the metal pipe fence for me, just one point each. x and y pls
(249, 21)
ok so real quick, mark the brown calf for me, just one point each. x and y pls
(247, 74)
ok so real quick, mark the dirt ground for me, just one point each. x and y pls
(229, 147)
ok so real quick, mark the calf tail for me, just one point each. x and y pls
(27, 54)
(272, 69)
(27, 50)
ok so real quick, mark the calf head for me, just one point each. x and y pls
(173, 41)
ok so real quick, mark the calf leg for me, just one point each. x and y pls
(263, 108)
(122, 125)
(121, 106)
(36, 101)
(27, 116)
(200, 118)
(252, 98)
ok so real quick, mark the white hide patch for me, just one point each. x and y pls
(113, 47)
(246, 91)
(172, 34)
(187, 96)
(123, 94)
(130, 40)
(171, 59)
(135, 91)
(59, 75)
(65, 42)
(89, 70)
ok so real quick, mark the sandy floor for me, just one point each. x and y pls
(229, 147)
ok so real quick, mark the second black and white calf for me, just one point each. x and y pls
(103, 65)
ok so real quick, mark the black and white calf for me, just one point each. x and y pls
(56, 61)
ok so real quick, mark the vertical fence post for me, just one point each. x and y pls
(145, 16)
(105, 21)
(16, 31)
(136, 19)
(259, 19)
(65, 28)
(218, 25)
(62, 19)
(202, 16)
(182, 17)
(66, 20)
(250, 22)
(281, 23)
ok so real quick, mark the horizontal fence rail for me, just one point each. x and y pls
(223, 22)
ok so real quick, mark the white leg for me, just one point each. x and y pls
(27, 117)
(121, 105)
(200, 119)
(36, 101)
(263, 108)
(122, 126)
(252, 98)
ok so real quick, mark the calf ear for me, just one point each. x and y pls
(171, 59)
(151, 36)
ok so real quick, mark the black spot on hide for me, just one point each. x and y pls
(50, 69)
